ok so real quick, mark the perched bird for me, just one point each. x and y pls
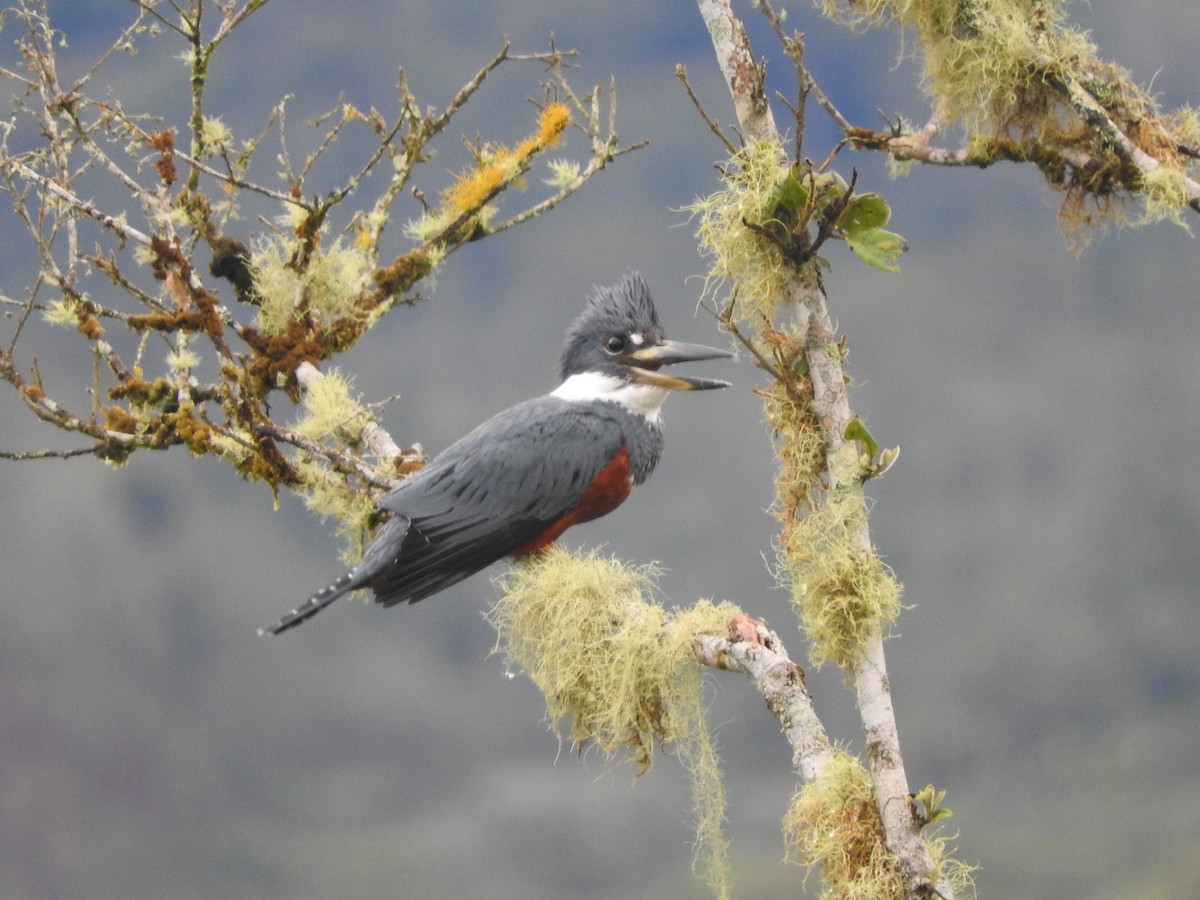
(522, 478)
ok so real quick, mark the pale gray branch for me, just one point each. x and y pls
(757, 651)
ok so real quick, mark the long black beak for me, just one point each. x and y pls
(665, 353)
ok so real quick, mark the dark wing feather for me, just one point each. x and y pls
(488, 495)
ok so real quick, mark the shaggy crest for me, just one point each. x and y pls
(619, 309)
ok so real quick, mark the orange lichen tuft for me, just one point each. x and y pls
(117, 418)
(190, 430)
(276, 357)
(473, 189)
(500, 166)
(32, 392)
(403, 272)
(552, 123)
(145, 393)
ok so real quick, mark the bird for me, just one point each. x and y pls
(512, 486)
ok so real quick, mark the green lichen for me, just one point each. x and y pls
(986, 61)
(841, 590)
(618, 670)
(1026, 85)
(737, 254)
(330, 286)
(331, 409)
(329, 496)
(1165, 197)
(833, 826)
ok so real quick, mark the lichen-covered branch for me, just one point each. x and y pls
(743, 73)
(200, 319)
(1023, 85)
(618, 671)
(762, 233)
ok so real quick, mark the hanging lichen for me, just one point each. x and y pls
(1025, 85)
(619, 671)
(833, 824)
(739, 255)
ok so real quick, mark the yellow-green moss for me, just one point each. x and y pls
(61, 312)
(833, 824)
(736, 253)
(330, 286)
(800, 446)
(619, 671)
(983, 59)
(842, 591)
(236, 452)
(1016, 76)
(1165, 196)
(329, 496)
(330, 409)
(214, 136)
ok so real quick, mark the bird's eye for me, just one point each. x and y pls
(615, 344)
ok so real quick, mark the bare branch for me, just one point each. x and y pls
(113, 223)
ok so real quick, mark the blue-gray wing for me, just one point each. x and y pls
(488, 495)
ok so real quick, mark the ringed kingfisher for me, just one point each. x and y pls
(522, 478)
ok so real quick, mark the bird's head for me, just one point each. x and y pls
(616, 348)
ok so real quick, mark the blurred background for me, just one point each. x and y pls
(1044, 515)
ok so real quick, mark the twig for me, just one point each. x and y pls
(46, 183)
(793, 46)
(713, 125)
(25, 455)
(342, 462)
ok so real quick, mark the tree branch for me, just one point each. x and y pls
(802, 291)
(755, 650)
(743, 74)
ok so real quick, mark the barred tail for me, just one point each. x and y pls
(312, 605)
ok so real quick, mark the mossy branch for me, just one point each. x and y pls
(620, 672)
(1025, 86)
(176, 363)
(760, 233)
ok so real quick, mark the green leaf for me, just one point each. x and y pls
(830, 187)
(862, 213)
(927, 806)
(857, 431)
(878, 247)
(791, 193)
